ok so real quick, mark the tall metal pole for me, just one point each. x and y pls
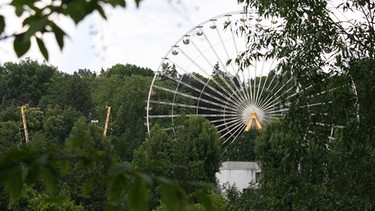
(106, 121)
(24, 124)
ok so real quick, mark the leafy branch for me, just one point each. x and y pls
(39, 19)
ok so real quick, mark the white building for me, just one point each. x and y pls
(238, 173)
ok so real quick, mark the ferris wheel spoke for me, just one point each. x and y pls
(261, 91)
(267, 103)
(235, 102)
(202, 69)
(224, 66)
(216, 121)
(235, 73)
(184, 105)
(205, 84)
(315, 104)
(234, 131)
(161, 116)
(190, 96)
(228, 92)
(243, 87)
(225, 47)
(277, 110)
(274, 101)
(201, 91)
(227, 122)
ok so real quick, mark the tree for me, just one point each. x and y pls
(242, 148)
(309, 35)
(25, 82)
(296, 155)
(127, 70)
(68, 165)
(58, 123)
(71, 91)
(190, 157)
(39, 18)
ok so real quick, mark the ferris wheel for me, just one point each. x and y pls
(201, 75)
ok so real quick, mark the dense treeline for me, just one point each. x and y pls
(67, 163)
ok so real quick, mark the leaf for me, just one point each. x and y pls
(36, 24)
(59, 35)
(42, 48)
(77, 10)
(121, 3)
(228, 61)
(137, 2)
(20, 3)
(14, 182)
(101, 12)
(137, 196)
(50, 181)
(206, 201)
(21, 45)
(33, 174)
(2, 24)
(19, 11)
(120, 168)
(116, 188)
(173, 196)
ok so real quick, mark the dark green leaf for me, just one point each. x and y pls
(50, 177)
(116, 188)
(2, 24)
(206, 201)
(42, 48)
(14, 182)
(119, 168)
(20, 3)
(173, 196)
(33, 174)
(59, 35)
(21, 45)
(77, 10)
(121, 3)
(137, 2)
(101, 12)
(137, 196)
(19, 11)
(36, 24)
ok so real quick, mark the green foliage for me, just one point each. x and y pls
(304, 166)
(242, 148)
(25, 82)
(68, 165)
(310, 172)
(190, 157)
(38, 201)
(10, 135)
(127, 70)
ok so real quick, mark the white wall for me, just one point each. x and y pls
(238, 173)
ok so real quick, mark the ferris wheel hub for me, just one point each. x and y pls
(252, 112)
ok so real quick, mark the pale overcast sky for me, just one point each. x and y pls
(136, 36)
